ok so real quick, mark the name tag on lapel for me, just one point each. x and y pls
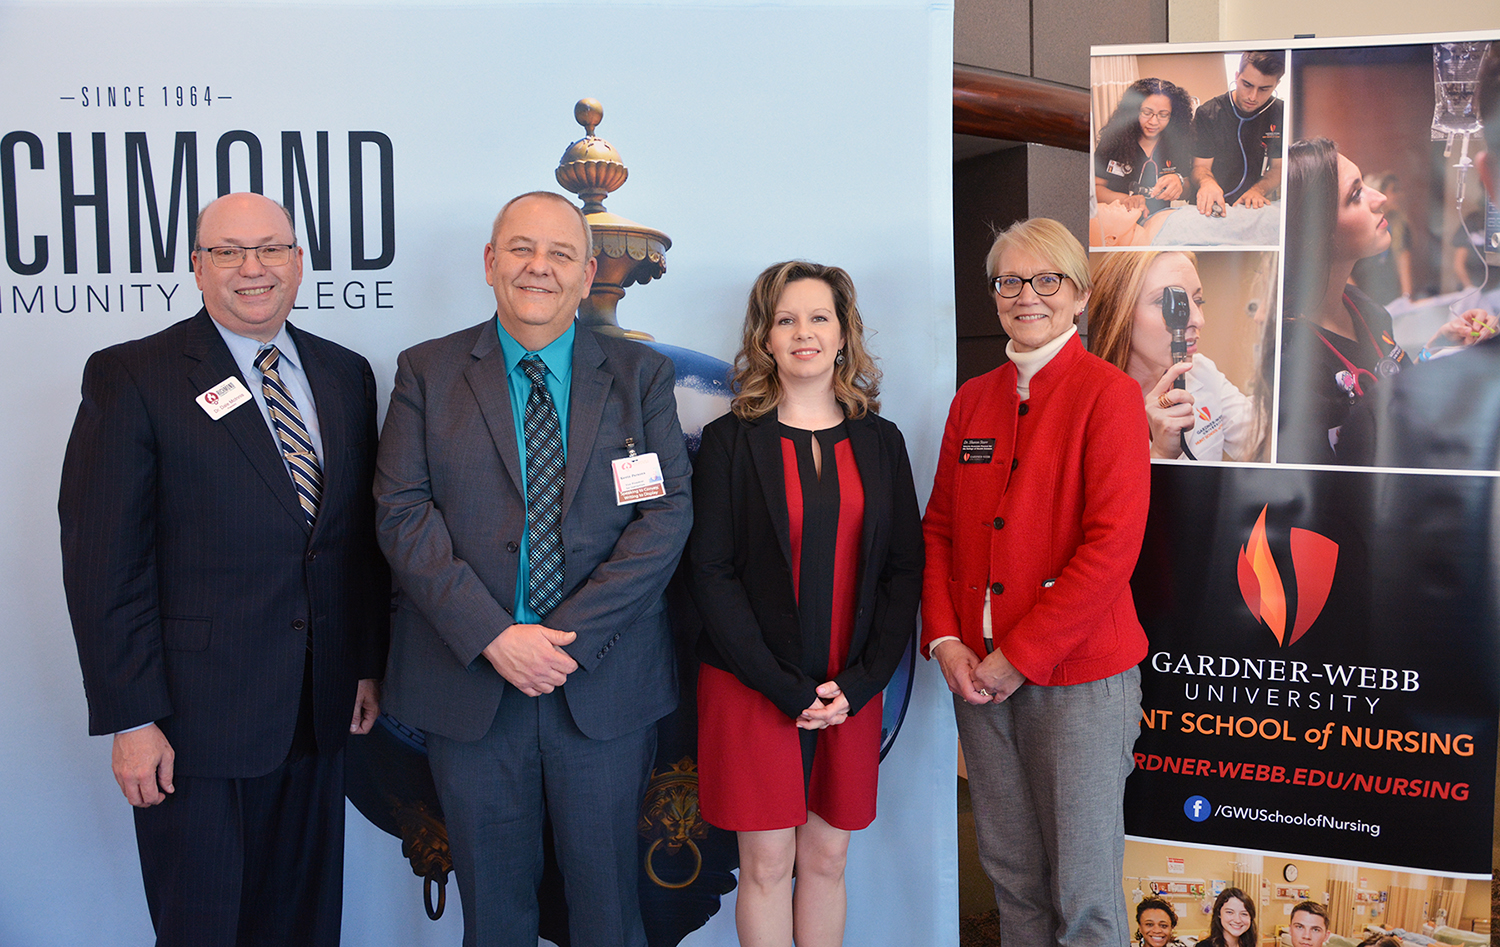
(977, 450)
(638, 477)
(223, 397)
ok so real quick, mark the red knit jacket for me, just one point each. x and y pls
(1051, 523)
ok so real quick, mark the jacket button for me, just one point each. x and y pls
(512, 547)
(1015, 462)
(998, 588)
(1024, 407)
(999, 522)
(311, 556)
(298, 624)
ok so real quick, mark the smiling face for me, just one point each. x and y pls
(1308, 930)
(1253, 88)
(251, 299)
(539, 265)
(1234, 917)
(805, 334)
(1156, 927)
(1150, 339)
(1156, 114)
(1030, 320)
(1360, 229)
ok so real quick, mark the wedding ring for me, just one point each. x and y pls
(983, 692)
(1165, 401)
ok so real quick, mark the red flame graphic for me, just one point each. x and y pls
(1314, 558)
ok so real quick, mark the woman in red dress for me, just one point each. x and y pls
(806, 564)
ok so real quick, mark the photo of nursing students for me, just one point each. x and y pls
(1196, 332)
(1187, 149)
(1185, 895)
(1372, 290)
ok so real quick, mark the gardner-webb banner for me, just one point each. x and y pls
(1323, 676)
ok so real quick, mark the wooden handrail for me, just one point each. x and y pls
(1016, 108)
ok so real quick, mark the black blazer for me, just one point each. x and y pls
(740, 557)
(193, 581)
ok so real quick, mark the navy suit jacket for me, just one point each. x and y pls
(451, 515)
(194, 583)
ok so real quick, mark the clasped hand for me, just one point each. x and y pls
(531, 657)
(977, 682)
(829, 709)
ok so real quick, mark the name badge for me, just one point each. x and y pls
(977, 450)
(638, 477)
(223, 397)
(1115, 167)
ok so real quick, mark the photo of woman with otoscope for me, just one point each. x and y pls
(1147, 317)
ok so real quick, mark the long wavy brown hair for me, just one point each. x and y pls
(757, 387)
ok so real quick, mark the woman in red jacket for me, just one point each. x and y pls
(1032, 531)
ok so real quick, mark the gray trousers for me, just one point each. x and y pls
(1047, 772)
(496, 791)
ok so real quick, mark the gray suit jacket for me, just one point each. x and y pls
(451, 515)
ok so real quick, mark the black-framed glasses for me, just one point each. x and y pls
(1043, 284)
(270, 254)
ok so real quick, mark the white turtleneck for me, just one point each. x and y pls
(1029, 363)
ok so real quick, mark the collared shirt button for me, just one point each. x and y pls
(998, 588)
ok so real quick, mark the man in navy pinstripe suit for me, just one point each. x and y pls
(226, 628)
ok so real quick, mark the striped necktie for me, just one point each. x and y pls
(544, 488)
(291, 434)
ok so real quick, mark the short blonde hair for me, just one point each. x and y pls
(1044, 239)
(757, 387)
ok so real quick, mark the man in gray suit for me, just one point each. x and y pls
(531, 641)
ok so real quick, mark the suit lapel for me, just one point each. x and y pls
(764, 437)
(211, 363)
(591, 384)
(869, 459)
(486, 378)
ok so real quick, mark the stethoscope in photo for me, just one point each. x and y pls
(1239, 137)
(1176, 312)
(1150, 174)
(1348, 379)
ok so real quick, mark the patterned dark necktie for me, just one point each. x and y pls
(544, 488)
(291, 434)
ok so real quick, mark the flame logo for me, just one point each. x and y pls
(1313, 560)
(1205, 414)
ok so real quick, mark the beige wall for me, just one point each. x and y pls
(1208, 20)
(1201, 75)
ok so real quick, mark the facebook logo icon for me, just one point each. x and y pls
(1197, 808)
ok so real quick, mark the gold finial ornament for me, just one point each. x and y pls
(628, 252)
(591, 167)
